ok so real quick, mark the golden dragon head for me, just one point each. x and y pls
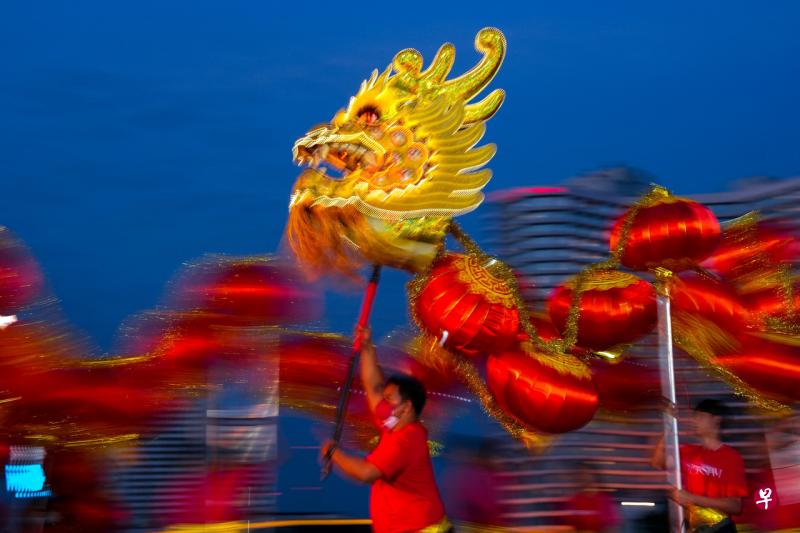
(386, 175)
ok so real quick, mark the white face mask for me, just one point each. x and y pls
(391, 422)
(385, 413)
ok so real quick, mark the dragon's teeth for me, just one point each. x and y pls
(369, 159)
(322, 151)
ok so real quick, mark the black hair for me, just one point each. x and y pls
(411, 389)
(712, 407)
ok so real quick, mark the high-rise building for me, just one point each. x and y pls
(548, 233)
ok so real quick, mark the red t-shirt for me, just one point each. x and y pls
(592, 511)
(405, 498)
(713, 473)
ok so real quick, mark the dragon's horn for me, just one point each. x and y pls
(440, 67)
(484, 109)
(489, 41)
(492, 44)
(408, 64)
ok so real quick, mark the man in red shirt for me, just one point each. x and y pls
(404, 497)
(712, 473)
(591, 509)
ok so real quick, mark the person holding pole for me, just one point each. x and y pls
(712, 472)
(404, 496)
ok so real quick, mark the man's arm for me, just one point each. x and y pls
(658, 459)
(371, 375)
(731, 505)
(355, 467)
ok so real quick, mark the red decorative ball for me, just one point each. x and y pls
(178, 349)
(178, 340)
(775, 302)
(470, 301)
(615, 308)
(253, 290)
(21, 280)
(667, 231)
(430, 364)
(312, 368)
(545, 329)
(626, 385)
(30, 352)
(771, 367)
(751, 246)
(546, 393)
(71, 404)
(710, 300)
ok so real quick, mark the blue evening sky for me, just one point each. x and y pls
(139, 135)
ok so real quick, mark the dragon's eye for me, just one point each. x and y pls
(368, 114)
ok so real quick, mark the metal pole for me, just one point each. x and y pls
(344, 396)
(666, 363)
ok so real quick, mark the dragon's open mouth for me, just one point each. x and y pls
(341, 158)
(341, 154)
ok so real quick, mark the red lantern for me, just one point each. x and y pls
(178, 348)
(30, 352)
(771, 367)
(423, 359)
(615, 308)
(626, 385)
(709, 299)
(53, 388)
(194, 338)
(750, 245)
(311, 365)
(545, 393)
(20, 278)
(667, 231)
(188, 341)
(314, 367)
(193, 347)
(70, 405)
(775, 302)
(257, 290)
(468, 302)
(544, 328)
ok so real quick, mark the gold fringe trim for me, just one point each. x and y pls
(603, 280)
(103, 441)
(702, 340)
(481, 279)
(468, 375)
(504, 272)
(562, 363)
